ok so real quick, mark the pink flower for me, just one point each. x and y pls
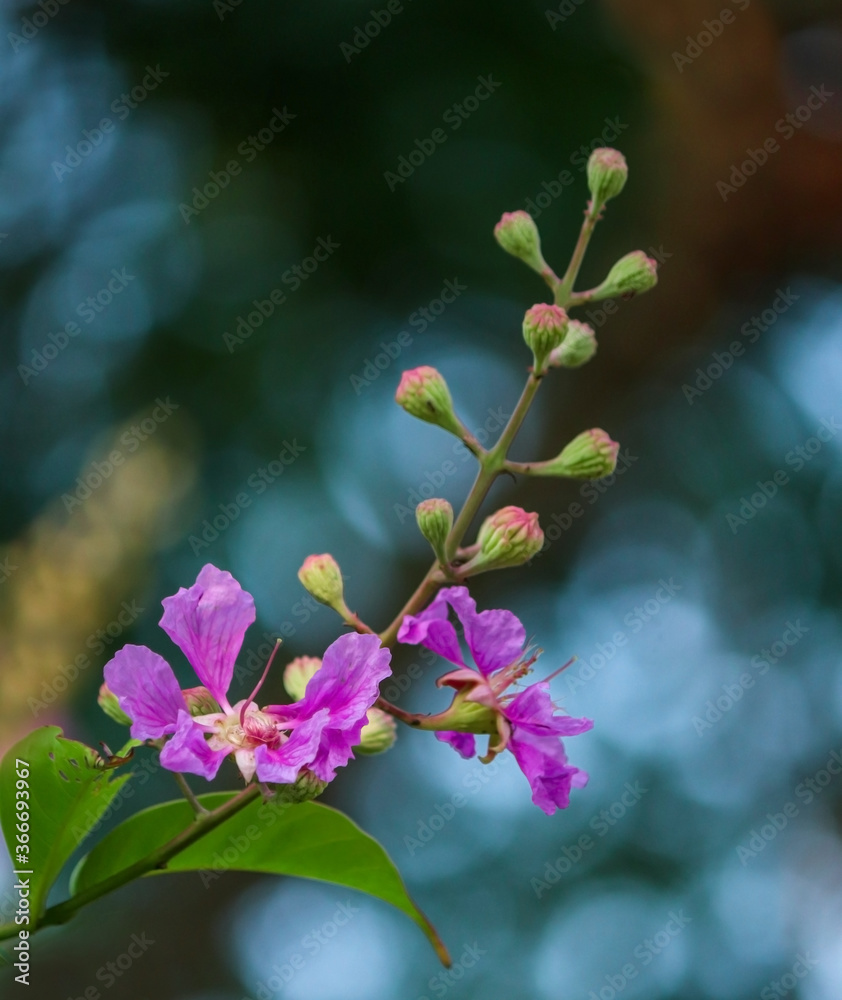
(525, 723)
(208, 622)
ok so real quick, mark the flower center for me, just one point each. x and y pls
(256, 727)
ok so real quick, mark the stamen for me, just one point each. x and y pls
(555, 673)
(253, 695)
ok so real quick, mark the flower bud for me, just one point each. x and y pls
(379, 733)
(107, 701)
(322, 578)
(200, 701)
(544, 329)
(591, 455)
(297, 673)
(306, 786)
(517, 234)
(423, 393)
(508, 537)
(607, 173)
(578, 346)
(435, 519)
(633, 273)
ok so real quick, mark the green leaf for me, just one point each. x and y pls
(309, 840)
(67, 795)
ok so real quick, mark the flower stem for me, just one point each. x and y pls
(565, 288)
(62, 912)
(188, 793)
(492, 463)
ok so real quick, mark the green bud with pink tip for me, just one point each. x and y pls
(607, 174)
(424, 394)
(518, 235)
(108, 702)
(297, 673)
(509, 537)
(631, 274)
(578, 346)
(590, 455)
(322, 578)
(435, 519)
(544, 330)
(200, 701)
(379, 733)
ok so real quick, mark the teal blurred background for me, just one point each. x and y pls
(212, 275)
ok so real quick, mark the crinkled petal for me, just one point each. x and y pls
(208, 622)
(189, 751)
(544, 762)
(495, 637)
(147, 691)
(281, 766)
(533, 711)
(463, 743)
(432, 629)
(347, 684)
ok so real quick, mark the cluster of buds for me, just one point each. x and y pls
(512, 536)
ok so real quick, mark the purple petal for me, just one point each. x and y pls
(495, 638)
(431, 628)
(463, 743)
(281, 766)
(189, 751)
(347, 684)
(533, 711)
(544, 763)
(208, 623)
(147, 691)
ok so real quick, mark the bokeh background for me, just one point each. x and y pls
(712, 864)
